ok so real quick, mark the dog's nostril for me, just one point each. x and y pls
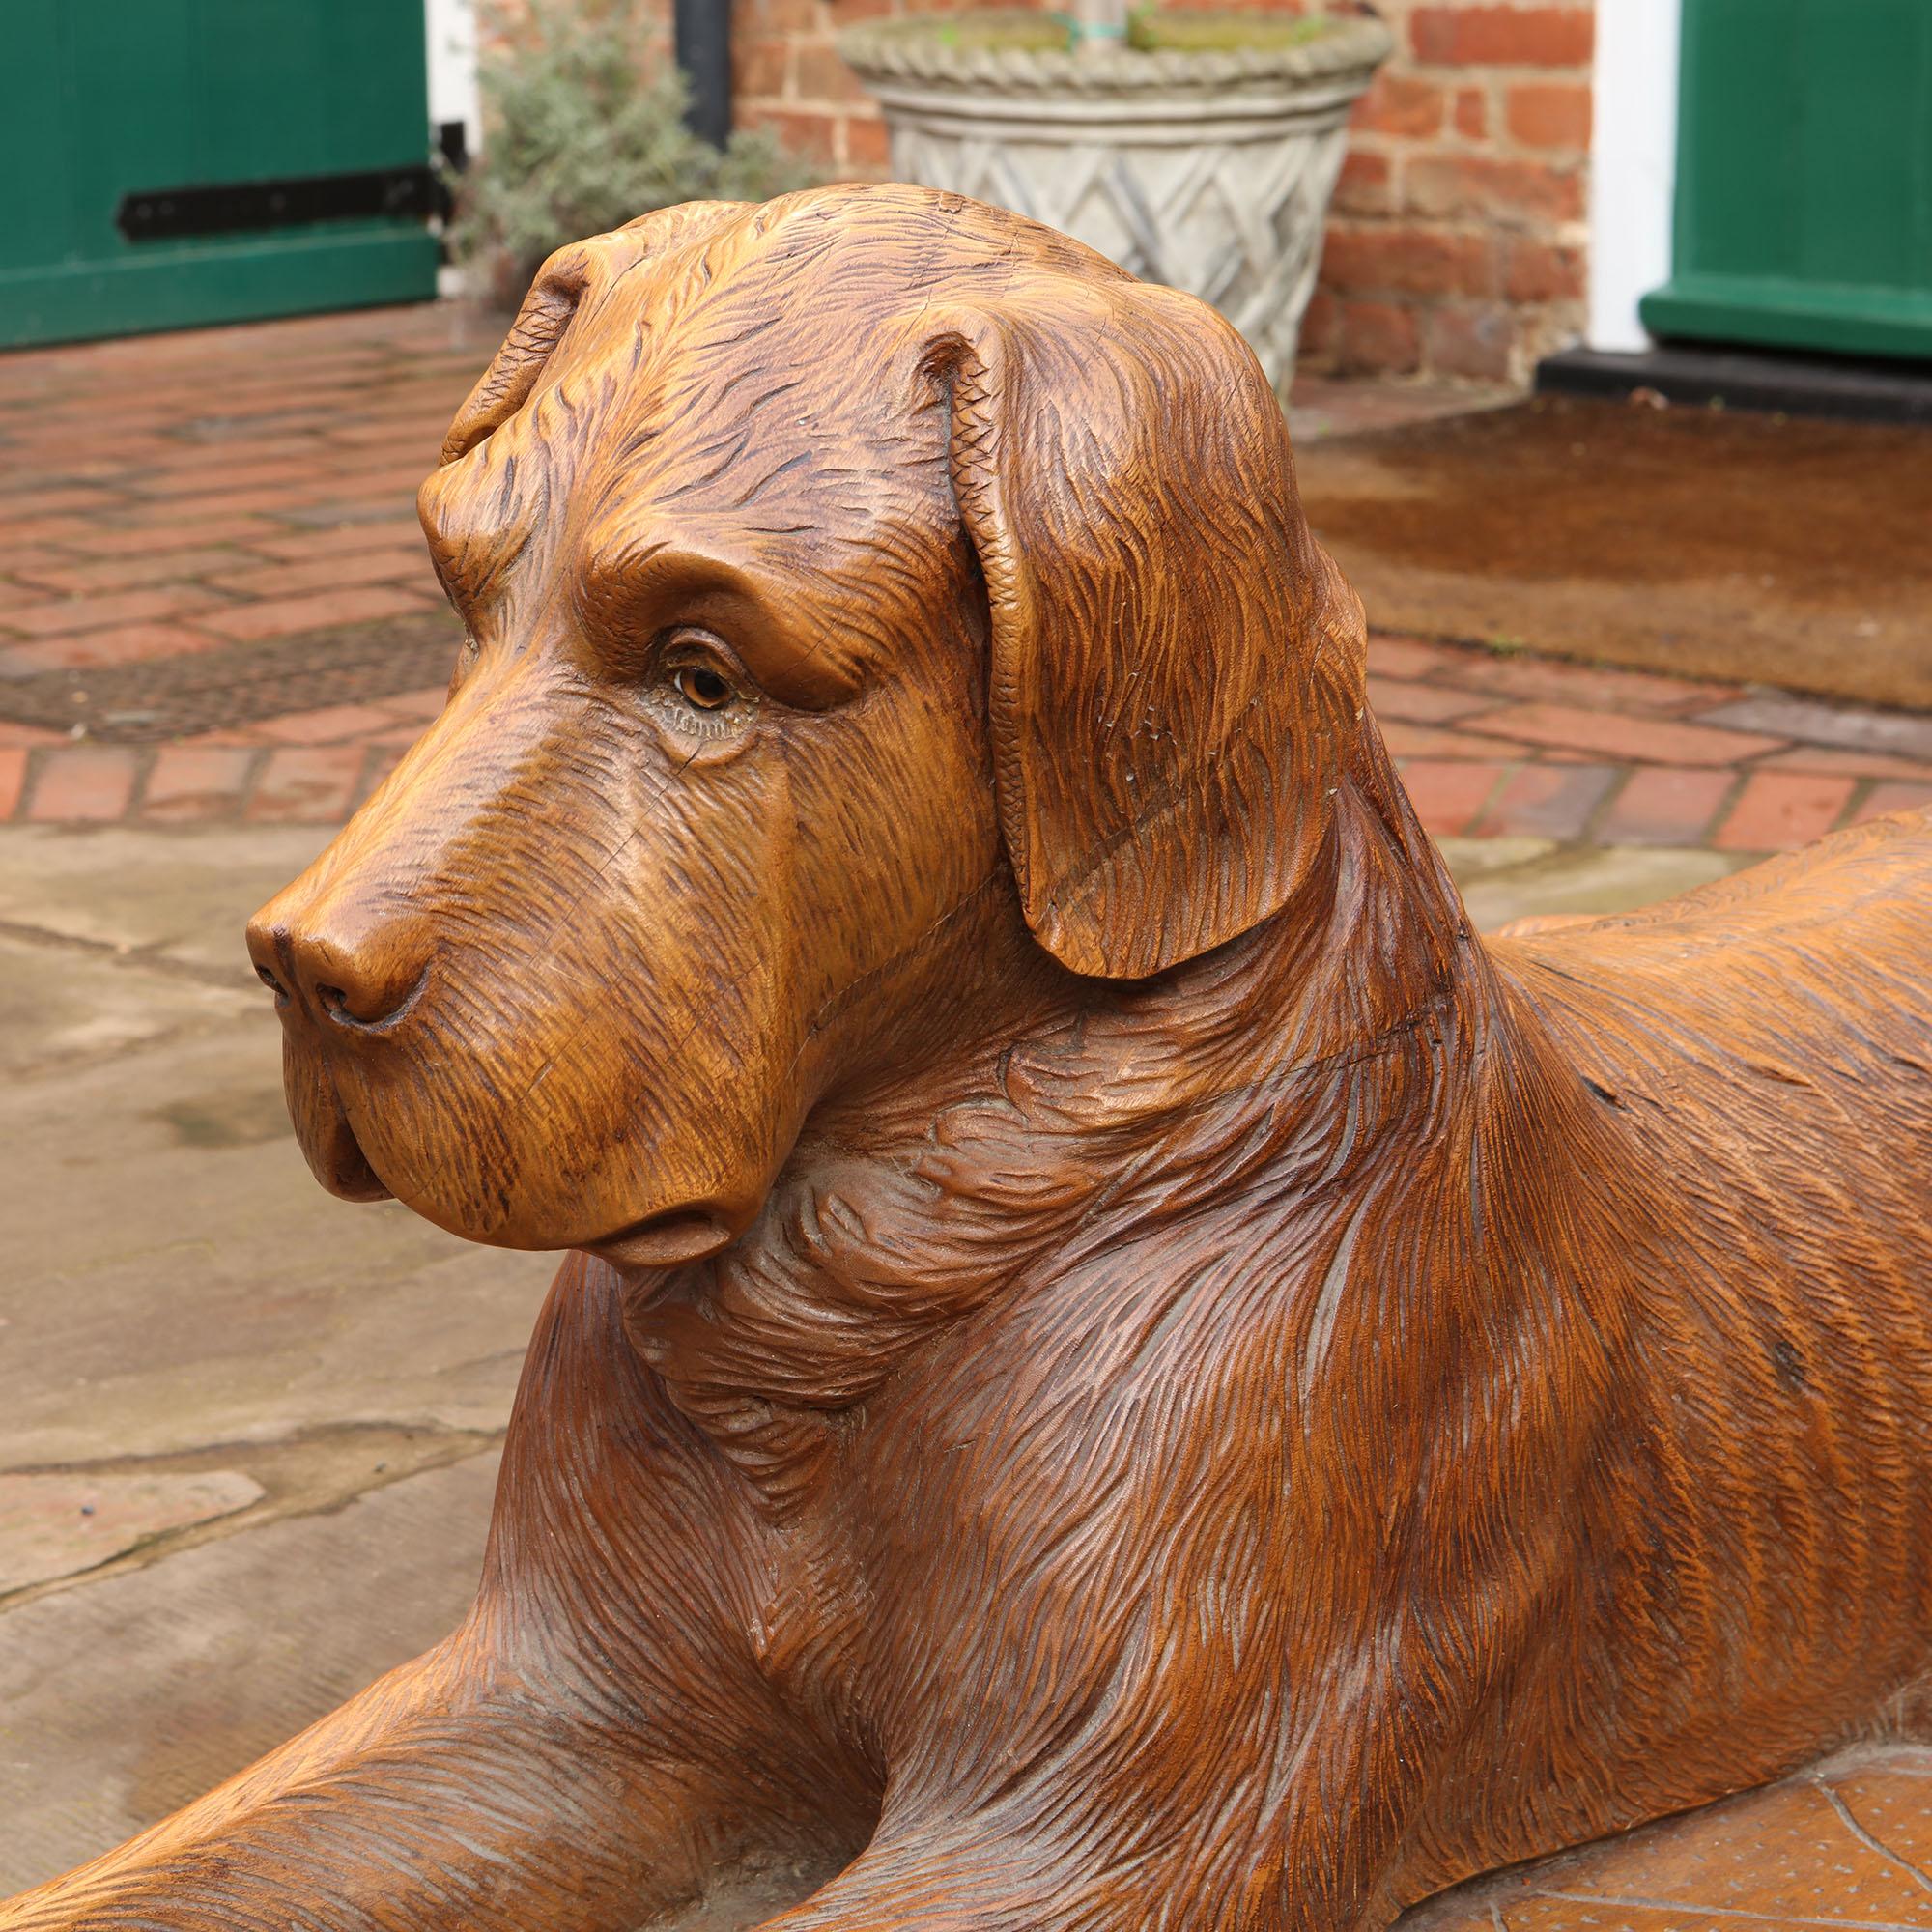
(364, 1002)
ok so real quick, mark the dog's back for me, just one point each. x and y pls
(1762, 1050)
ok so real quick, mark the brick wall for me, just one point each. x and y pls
(1457, 244)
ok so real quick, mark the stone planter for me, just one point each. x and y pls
(1209, 170)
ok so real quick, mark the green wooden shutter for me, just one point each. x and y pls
(1803, 214)
(105, 100)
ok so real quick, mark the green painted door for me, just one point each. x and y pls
(170, 162)
(1803, 214)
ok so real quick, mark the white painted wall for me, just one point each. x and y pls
(452, 66)
(1633, 164)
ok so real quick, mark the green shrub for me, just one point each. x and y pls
(580, 136)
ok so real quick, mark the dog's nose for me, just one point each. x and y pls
(358, 980)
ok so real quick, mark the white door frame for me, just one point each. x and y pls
(1633, 164)
(450, 26)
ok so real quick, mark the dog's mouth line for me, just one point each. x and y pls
(665, 1239)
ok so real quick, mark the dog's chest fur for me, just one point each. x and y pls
(1610, 1347)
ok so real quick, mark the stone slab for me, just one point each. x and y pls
(1583, 879)
(60, 1005)
(63, 1523)
(183, 895)
(177, 1277)
(128, 1697)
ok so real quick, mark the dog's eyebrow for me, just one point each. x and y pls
(652, 584)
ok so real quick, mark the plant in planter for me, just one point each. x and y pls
(582, 133)
(1194, 149)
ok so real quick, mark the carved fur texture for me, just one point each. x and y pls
(1118, 1368)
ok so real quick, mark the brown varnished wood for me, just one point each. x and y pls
(1118, 1368)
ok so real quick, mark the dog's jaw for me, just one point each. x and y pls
(665, 1241)
(322, 1129)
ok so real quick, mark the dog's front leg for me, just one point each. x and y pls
(575, 1757)
(980, 1874)
(446, 1795)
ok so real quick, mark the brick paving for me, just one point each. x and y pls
(250, 490)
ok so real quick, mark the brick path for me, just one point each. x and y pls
(231, 490)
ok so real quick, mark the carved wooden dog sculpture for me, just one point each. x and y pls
(1122, 1371)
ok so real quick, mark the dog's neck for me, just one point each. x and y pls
(1079, 1117)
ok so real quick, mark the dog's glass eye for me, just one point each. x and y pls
(701, 688)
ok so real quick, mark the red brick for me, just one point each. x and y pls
(61, 615)
(1503, 36)
(228, 468)
(1470, 342)
(50, 501)
(1363, 185)
(1447, 796)
(25, 564)
(82, 783)
(1398, 103)
(368, 566)
(1378, 336)
(1848, 764)
(103, 542)
(1419, 703)
(300, 545)
(1319, 330)
(416, 707)
(807, 135)
(759, 63)
(326, 725)
(821, 75)
(1431, 741)
(13, 778)
(794, 16)
(1541, 272)
(1549, 114)
(22, 736)
(1487, 188)
(1408, 261)
(1895, 797)
(239, 734)
(868, 141)
(1396, 656)
(44, 530)
(125, 644)
(192, 781)
(1582, 685)
(1545, 802)
(72, 576)
(1779, 809)
(1653, 741)
(282, 616)
(1665, 804)
(307, 785)
(1472, 113)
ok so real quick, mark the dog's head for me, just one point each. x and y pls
(828, 567)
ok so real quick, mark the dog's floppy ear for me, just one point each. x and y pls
(1175, 662)
(574, 273)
